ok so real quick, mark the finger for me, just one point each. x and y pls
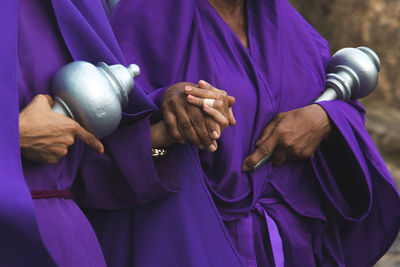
(231, 101)
(199, 102)
(172, 127)
(59, 151)
(267, 132)
(205, 85)
(46, 100)
(54, 153)
(186, 127)
(217, 116)
(260, 153)
(49, 100)
(262, 161)
(199, 124)
(231, 117)
(213, 147)
(214, 129)
(201, 93)
(89, 139)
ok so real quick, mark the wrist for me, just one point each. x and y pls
(324, 121)
(159, 136)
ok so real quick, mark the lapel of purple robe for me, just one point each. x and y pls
(18, 229)
(86, 31)
(88, 35)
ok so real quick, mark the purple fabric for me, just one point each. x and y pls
(182, 229)
(64, 229)
(274, 236)
(53, 231)
(326, 206)
(19, 231)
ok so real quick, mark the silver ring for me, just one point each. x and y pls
(209, 102)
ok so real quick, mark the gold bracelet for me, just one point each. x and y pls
(158, 152)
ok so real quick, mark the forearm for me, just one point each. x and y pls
(160, 136)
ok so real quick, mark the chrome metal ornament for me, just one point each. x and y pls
(93, 95)
(352, 74)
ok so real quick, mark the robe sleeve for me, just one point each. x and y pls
(157, 96)
(127, 174)
(344, 164)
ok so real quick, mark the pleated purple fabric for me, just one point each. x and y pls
(38, 38)
(18, 227)
(339, 208)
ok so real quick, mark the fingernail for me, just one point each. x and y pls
(215, 134)
(190, 97)
(212, 148)
(203, 81)
(188, 89)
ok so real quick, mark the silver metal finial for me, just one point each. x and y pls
(93, 95)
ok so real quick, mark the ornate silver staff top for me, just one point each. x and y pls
(93, 95)
(352, 74)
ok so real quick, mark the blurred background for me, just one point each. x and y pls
(376, 24)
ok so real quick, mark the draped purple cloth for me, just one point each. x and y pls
(339, 208)
(18, 227)
(38, 38)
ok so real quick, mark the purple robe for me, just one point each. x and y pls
(18, 227)
(339, 208)
(39, 38)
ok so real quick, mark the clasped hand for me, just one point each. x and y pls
(291, 136)
(186, 117)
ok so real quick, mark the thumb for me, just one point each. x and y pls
(260, 155)
(42, 100)
(231, 101)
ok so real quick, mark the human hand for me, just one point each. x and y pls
(46, 135)
(185, 121)
(291, 136)
(160, 137)
(221, 101)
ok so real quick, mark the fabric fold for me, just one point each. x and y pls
(126, 175)
(323, 210)
(184, 229)
(19, 230)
